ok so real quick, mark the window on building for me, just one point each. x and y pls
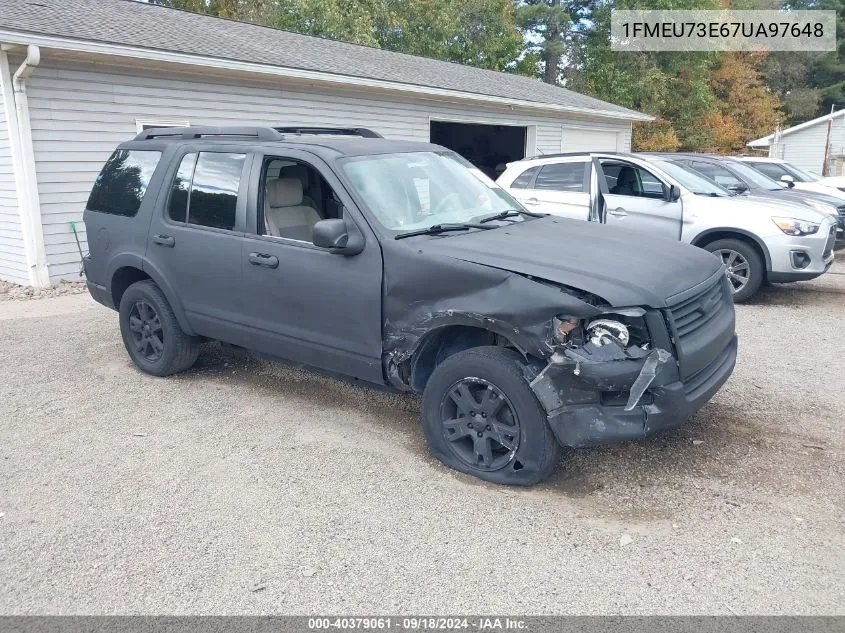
(121, 185)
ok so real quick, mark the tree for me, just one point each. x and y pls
(480, 33)
(671, 86)
(744, 107)
(655, 136)
(546, 23)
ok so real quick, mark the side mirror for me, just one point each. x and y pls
(737, 189)
(789, 180)
(671, 193)
(334, 234)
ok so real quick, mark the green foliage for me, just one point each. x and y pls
(480, 33)
(809, 83)
(549, 24)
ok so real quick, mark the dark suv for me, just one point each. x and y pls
(400, 264)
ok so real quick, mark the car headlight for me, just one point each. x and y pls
(624, 329)
(791, 226)
(822, 207)
(606, 331)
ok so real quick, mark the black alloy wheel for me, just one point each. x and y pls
(146, 330)
(480, 425)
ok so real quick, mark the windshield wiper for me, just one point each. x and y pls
(511, 213)
(436, 229)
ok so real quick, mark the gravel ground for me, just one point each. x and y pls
(9, 291)
(246, 487)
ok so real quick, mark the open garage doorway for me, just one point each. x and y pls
(488, 147)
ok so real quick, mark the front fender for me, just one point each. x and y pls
(704, 236)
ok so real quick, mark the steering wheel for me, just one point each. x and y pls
(452, 197)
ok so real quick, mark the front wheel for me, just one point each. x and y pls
(744, 266)
(481, 418)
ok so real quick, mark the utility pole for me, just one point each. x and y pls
(826, 164)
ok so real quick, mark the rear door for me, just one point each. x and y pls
(560, 188)
(196, 234)
(633, 198)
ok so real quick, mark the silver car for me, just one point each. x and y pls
(758, 239)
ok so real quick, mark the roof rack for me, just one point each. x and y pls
(260, 133)
(339, 131)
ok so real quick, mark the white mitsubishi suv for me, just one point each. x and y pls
(757, 238)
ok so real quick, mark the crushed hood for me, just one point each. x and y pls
(623, 267)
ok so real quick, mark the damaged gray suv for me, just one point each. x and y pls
(400, 264)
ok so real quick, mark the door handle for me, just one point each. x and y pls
(164, 240)
(532, 201)
(617, 212)
(263, 259)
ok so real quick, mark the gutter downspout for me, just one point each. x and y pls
(23, 160)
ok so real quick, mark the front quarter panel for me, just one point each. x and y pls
(423, 293)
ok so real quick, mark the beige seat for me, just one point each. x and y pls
(285, 215)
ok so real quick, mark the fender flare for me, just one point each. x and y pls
(727, 229)
(170, 294)
(132, 260)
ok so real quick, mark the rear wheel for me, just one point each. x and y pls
(744, 266)
(151, 333)
(481, 418)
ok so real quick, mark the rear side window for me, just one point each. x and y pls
(562, 177)
(523, 181)
(205, 190)
(121, 185)
(177, 207)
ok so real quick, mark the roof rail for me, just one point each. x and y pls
(340, 131)
(260, 133)
(569, 154)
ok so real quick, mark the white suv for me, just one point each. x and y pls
(791, 176)
(757, 239)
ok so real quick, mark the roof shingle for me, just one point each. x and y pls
(142, 25)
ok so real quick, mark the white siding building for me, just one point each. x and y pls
(80, 77)
(803, 145)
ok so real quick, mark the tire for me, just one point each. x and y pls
(493, 378)
(167, 350)
(756, 268)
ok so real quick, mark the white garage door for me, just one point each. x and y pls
(581, 140)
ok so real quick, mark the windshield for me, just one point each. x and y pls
(416, 190)
(751, 175)
(799, 174)
(689, 178)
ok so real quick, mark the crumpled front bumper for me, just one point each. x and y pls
(588, 408)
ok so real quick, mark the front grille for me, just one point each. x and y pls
(699, 382)
(841, 211)
(831, 240)
(690, 315)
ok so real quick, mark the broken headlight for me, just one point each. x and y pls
(625, 329)
(606, 331)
